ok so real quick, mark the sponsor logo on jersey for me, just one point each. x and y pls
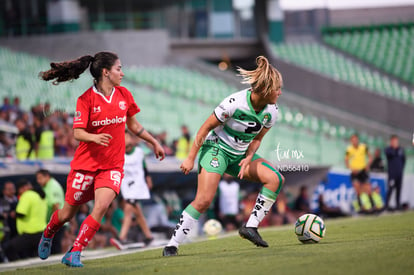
(77, 196)
(109, 121)
(77, 116)
(97, 109)
(122, 105)
(116, 177)
(215, 163)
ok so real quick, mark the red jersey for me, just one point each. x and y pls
(97, 113)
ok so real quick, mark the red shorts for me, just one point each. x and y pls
(81, 185)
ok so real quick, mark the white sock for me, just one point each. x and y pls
(184, 226)
(260, 210)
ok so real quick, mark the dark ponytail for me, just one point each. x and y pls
(69, 70)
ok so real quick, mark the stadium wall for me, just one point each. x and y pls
(368, 16)
(133, 47)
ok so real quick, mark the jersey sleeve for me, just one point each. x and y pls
(226, 108)
(274, 114)
(132, 105)
(81, 117)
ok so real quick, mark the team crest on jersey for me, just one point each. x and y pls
(224, 115)
(215, 163)
(116, 177)
(77, 196)
(265, 119)
(122, 105)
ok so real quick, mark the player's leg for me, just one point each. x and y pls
(212, 164)
(126, 222)
(206, 189)
(57, 220)
(365, 196)
(79, 190)
(140, 218)
(260, 170)
(357, 187)
(391, 186)
(103, 199)
(398, 185)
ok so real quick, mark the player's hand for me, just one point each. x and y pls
(187, 166)
(102, 139)
(243, 164)
(159, 151)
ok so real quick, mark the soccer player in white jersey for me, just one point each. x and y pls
(134, 187)
(228, 141)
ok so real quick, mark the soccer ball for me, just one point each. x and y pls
(310, 228)
(212, 227)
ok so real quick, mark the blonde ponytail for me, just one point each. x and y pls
(264, 79)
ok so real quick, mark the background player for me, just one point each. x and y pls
(228, 141)
(358, 159)
(135, 187)
(97, 167)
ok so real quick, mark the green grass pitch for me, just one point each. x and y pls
(363, 245)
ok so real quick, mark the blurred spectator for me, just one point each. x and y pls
(44, 140)
(162, 138)
(229, 206)
(280, 211)
(31, 213)
(55, 198)
(183, 144)
(395, 162)
(302, 201)
(4, 116)
(377, 164)
(8, 204)
(6, 145)
(156, 214)
(25, 146)
(16, 109)
(326, 211)
(6, 107)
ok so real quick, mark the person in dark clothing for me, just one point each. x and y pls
(396, 162)
(302, 201)
(377, 164)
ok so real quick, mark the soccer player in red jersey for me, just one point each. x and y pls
(99, 126)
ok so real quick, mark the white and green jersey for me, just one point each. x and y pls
(240, 122)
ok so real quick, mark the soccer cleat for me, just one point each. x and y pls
(148, 241)
(72, 259)
(44, 247)
(117, 243)
(170, 251)
(251, 234)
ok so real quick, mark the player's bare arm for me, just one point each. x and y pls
(81, 134)
(211, 123)
(251, 150)
(135, 127)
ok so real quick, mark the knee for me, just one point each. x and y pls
(275, 179)
(202, 203)
(101, 207)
